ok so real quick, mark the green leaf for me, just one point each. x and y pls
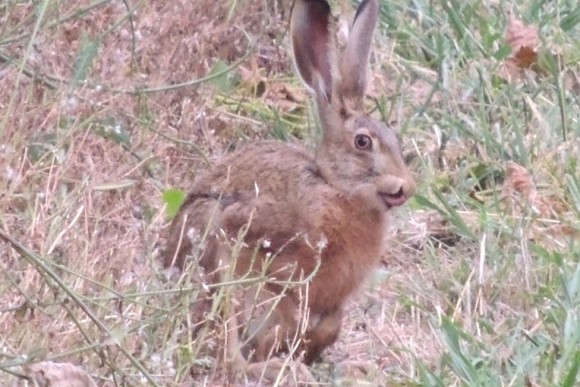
(457, 359)
(173, 199)
(502, 52)
(278, 129)
(114, 130)
(85, 58)
(222, 80)
(448, 212)
(454, 217)
(45, 146)
(422, 201)
(428, 378)
(40, 148)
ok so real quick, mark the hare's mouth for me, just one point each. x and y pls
(394, 200)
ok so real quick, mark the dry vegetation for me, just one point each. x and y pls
(106, 105)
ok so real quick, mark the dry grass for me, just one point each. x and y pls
(487, 255)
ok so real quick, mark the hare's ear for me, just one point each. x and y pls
(354, 64)
(312, 46)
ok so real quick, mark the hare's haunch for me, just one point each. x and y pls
(316, 220)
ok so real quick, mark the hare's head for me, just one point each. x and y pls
(356, 148)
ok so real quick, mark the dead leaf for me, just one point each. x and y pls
(50, 374)
(253, 77)
(522, 35)
(572, 81)
(524, 41)
(518, 180)
(285, 97)
(525, 57)
(519, 188)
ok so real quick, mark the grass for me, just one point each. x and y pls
(482, 283)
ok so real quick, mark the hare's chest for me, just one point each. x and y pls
(354, 247)
(356, 233)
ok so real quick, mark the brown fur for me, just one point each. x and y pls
(300, 216)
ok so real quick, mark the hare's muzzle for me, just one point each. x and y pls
(397, 193)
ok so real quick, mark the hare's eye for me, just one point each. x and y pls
(364, 142)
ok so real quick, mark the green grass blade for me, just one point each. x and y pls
(458, 361)
(85, 58)
(572, 379)
(573, 184)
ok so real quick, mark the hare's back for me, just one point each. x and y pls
(272, 168)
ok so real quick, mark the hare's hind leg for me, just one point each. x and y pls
(178, 243)
(281, 335)
(322, 335)
(281, 328)
(269, 341)
(316, 339)
(191, 233)
(195, 233)
(287, 333)
(219, 264)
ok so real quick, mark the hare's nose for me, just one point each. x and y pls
(408, 187)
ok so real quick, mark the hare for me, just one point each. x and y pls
(314, 219)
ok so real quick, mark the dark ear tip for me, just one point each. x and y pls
(363, 6)
(313, 46)
(318, 10)
(320, 3)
